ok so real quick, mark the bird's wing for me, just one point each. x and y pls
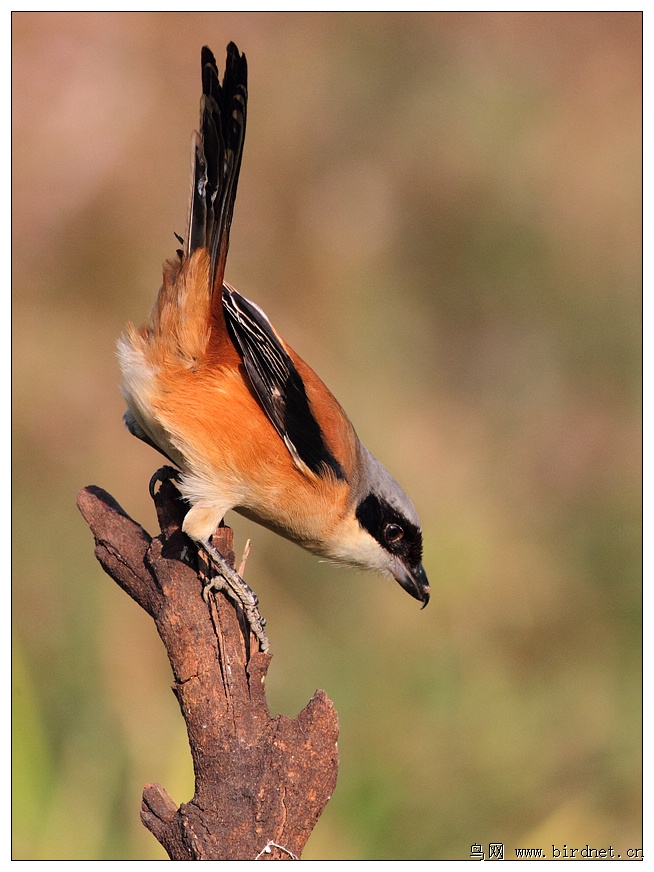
(278, 385)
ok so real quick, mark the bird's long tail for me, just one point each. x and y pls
(217, 150)
(188, 314)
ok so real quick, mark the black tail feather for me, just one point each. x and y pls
(216, 158)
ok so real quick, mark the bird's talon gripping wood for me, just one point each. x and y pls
(229, 581)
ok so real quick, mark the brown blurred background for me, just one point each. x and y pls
(442, 213)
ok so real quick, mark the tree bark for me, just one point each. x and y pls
(261, 783)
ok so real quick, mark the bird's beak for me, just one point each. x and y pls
(414, 581)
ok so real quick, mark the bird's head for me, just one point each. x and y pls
(382, 530)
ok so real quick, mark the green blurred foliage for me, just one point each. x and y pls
(442, 213)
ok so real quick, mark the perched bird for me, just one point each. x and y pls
(211, 385)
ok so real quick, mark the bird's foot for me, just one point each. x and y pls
(166, 473)
(229, 581)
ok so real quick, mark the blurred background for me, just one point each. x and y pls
(441, 212)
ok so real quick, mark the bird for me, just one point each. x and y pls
(248, 425)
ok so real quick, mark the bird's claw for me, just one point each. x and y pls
(166, 473)
(229, 581)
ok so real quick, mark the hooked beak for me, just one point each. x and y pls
(413, 580)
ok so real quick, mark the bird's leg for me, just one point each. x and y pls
(227, 578)
(231, 582)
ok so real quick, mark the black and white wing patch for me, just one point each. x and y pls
(278, 385)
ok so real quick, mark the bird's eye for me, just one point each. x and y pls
(393, 532)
